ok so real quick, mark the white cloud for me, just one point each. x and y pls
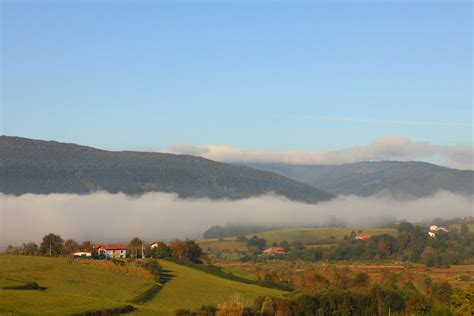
(118, 218)
(388, 148)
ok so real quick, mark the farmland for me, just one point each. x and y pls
(84, 285)
(304, 235)
(71, 287)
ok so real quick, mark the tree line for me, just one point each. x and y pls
(54, 245)
(411, 244)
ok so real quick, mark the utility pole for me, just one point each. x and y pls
(50, 246)
(142, 251)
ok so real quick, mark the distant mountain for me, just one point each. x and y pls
(42, 167)
(396, 178)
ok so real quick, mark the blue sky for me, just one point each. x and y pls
(261, 75)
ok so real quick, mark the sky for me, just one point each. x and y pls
(261, 75)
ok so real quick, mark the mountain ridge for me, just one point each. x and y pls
(366, 178)
(43, 167)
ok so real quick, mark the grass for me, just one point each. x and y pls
(305, 235)
(71, 287)
(190, 288)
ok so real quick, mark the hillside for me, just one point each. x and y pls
(396, 178)
(71, 287)
(191, 289)
(42, 167)
(85, 285)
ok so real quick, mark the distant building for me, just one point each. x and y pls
(154, 245)
(435, 228)
(112, 250)
(362, 237)
(82, 254)
(274, 251)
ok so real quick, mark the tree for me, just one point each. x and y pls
(256, 245)
(87, 246)
(51, 245)
(134, 248)
(186, 250)
(30, 249)
(179, 249)
(193, 251)
(405, 227)
(160, 251)
(70, 246)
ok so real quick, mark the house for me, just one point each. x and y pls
(112, 250)
(154, 245)
(82, 254)
(274, 251)
(362, 237)
(435, 228)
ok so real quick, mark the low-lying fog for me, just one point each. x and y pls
(154, 216)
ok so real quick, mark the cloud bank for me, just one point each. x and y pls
(388, 148)
(158, 216)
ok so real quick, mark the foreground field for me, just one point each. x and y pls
(74, 286)
(71, 286)
(190, 288)
(304, 235)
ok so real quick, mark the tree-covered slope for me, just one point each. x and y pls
(42, 167)
(367, 178)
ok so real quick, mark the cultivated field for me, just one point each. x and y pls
(190, 288)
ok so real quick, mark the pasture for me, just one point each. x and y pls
(190, 288)
(72, 287)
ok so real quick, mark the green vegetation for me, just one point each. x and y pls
(71, 287)
(309, 235)
(190, 288)
(35, 166)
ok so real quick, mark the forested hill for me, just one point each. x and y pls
(42, 167)
(395, 178)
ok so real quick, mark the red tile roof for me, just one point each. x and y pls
(363, 236)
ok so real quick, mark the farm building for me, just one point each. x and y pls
(274, 251)
(362, 237)
(112, 250)
(435, 228)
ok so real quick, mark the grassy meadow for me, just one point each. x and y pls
(75, 286)
(190, 288)
(71, 286)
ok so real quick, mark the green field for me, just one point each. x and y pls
(304, 235)
(71, 287)
(190, 288)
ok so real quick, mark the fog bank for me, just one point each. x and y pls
(153, 216)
